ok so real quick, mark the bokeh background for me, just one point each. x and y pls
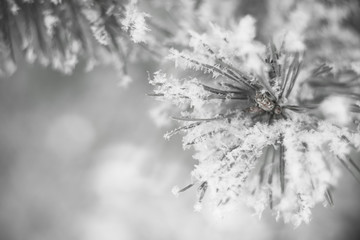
(82, 159)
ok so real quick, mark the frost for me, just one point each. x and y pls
(59, 33)
(255, 139)
(188, 90)
(100, 34)
(50, 22)
(134, 22)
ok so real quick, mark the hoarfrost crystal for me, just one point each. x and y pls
(256, 141)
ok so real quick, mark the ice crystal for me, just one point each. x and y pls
(256, 140)
(134, 22)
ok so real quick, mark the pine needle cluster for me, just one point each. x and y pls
(59, 33)
(255, 139)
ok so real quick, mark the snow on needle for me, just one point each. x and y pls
(255, 140)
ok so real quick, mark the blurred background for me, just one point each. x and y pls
(82, 159)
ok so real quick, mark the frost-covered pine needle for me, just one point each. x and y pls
(60, 33)
(255, 140)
